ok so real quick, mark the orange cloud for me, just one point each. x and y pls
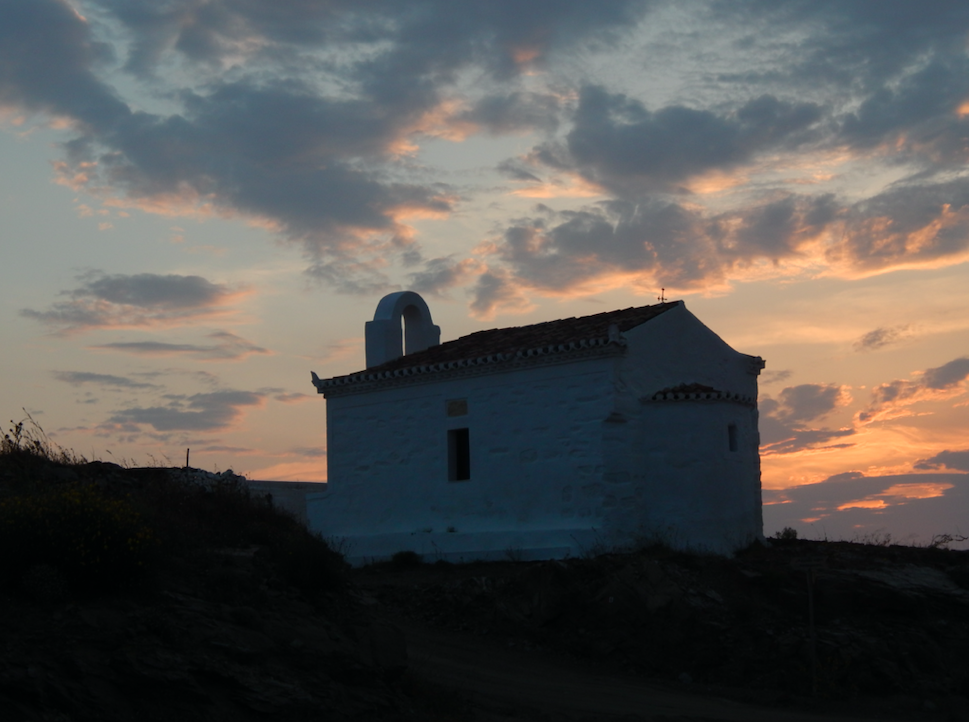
(885, 449)
(186, 202)
(900, 492)
(76, 177)
(864, 504)
(878, 245)
(716, 181)
(928, 490)
(442, 121)
(572, 186)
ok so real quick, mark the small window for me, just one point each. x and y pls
(458, 455)
(732, 436)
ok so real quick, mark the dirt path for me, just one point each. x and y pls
(505, 684)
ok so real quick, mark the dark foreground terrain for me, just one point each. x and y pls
(891, 628)
(156, 594)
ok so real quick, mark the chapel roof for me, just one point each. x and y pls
(496, 347)
(509, 341)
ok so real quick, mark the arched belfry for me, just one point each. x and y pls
(383, 334)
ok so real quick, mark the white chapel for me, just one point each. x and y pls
(541, 441)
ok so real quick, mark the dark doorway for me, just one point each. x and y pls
(458, 455)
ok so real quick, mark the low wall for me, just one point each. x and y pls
(288, 495)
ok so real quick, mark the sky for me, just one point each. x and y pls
(201, 201)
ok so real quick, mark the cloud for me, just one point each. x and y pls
(304, 135)
(654, 241)
(851, 505)
(313, 451)
(774, 377)
(47, 56)
(785, 425)
(424, 38)
(890, 400)
(881, 337)
(916, 224)
(893, 108)
(905, 70)
(440, 274)
(515, 112)
(616, 142)
(830, 493)
(227, 347)
(79, 378)
(854, 489)
(305, 119)
(212, 411)
(556, 251)
(292, 397)
(903, 109)
(517, 170)
(948, 375)
(956, 460)
(780, 439)
(283, 396)
(493, 293)
(214, 448)
(139, 300)
(651, 243)
(859, 44)
(807, 402)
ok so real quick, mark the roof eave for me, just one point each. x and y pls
(365, 381)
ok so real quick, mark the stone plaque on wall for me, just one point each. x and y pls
(457, 407)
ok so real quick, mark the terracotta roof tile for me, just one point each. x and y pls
(518, 338)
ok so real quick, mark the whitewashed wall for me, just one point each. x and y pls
(564, 457)
(670, 472)
(536, 457)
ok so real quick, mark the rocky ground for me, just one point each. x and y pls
(891, 633)
(223, 630)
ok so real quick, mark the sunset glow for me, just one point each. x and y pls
(200, 207)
